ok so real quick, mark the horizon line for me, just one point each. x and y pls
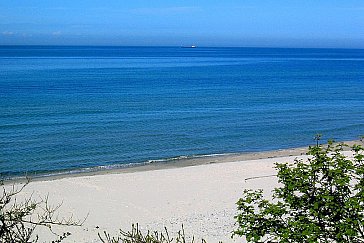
(166, 46)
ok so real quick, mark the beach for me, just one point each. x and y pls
(165, 136)
(200, 196)
(130, 119)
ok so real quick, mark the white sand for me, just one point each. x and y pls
(201, 197)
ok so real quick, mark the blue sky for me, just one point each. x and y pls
(266, 23)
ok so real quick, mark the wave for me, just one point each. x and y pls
(103, 168)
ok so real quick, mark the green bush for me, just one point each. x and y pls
(319, 200)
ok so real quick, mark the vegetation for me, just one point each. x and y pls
(319, 200)
(18, 220)
(136, 236)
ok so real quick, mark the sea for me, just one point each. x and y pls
(69, 109)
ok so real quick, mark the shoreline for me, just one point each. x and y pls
(177, 162)
(200, 194)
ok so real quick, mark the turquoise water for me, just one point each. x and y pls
(71, 108)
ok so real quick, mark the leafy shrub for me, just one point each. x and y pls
(319, 200)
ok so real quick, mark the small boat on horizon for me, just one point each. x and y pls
(192, 46)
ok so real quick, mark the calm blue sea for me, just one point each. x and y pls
(71, 108)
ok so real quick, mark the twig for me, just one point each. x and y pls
(258, 177)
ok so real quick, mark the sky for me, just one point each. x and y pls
(245, 23)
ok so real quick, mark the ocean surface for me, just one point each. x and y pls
(81, 108)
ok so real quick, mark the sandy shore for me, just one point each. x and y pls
(202, 196)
